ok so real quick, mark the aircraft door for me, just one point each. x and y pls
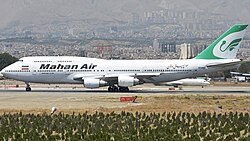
(33, 72)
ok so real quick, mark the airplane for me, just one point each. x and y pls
(188, 82)
(119, 75)
(240, 77)
(239, 74)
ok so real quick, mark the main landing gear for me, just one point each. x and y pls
(118, 89)
(28, 88)
(123, 89)
(113, 89)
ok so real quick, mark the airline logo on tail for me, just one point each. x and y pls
(226, 46)
(231, 46)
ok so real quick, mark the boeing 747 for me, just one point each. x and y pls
(119, 75)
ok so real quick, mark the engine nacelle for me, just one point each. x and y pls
(94, 83)
(126, 81)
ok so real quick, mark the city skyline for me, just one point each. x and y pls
(115, 28)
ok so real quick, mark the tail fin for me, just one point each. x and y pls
(226, 46)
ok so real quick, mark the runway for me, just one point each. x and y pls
(135, 90)
(159, 98)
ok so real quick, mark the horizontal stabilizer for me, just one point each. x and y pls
(219, 64)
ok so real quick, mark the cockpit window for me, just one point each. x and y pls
(20, 60)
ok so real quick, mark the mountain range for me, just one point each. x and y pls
(40, 12)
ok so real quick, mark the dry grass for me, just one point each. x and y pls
(165, 103)
(42, 102)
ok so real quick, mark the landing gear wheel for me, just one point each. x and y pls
(115, 89)
(112, 89)
(126, 89)
(123, 89)
(109, 89)
(28, 89)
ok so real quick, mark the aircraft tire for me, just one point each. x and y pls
(28, 89)
(112, 89)
(123, 89)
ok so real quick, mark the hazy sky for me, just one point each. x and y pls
(47, 11)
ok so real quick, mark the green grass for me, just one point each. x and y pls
(125, 126)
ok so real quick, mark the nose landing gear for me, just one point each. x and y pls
(28, 88)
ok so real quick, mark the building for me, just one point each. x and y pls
(186, 51)
(168, 47)
(71, 32)
(156, 44)
(200, 48)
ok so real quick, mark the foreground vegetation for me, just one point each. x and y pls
(126, 126)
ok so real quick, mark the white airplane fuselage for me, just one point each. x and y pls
(69, 69)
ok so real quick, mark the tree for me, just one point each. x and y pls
(6, 59)
(245, 67)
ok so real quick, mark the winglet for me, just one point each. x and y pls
(226, 46)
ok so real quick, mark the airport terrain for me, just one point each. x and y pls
(219, 98)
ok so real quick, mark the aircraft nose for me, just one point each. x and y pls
(207, 83)
(1, 74)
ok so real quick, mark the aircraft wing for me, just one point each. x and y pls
(114, 77)
(140, 76)
(236, 73)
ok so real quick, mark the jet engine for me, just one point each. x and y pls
(126, 81)
(94, 83)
